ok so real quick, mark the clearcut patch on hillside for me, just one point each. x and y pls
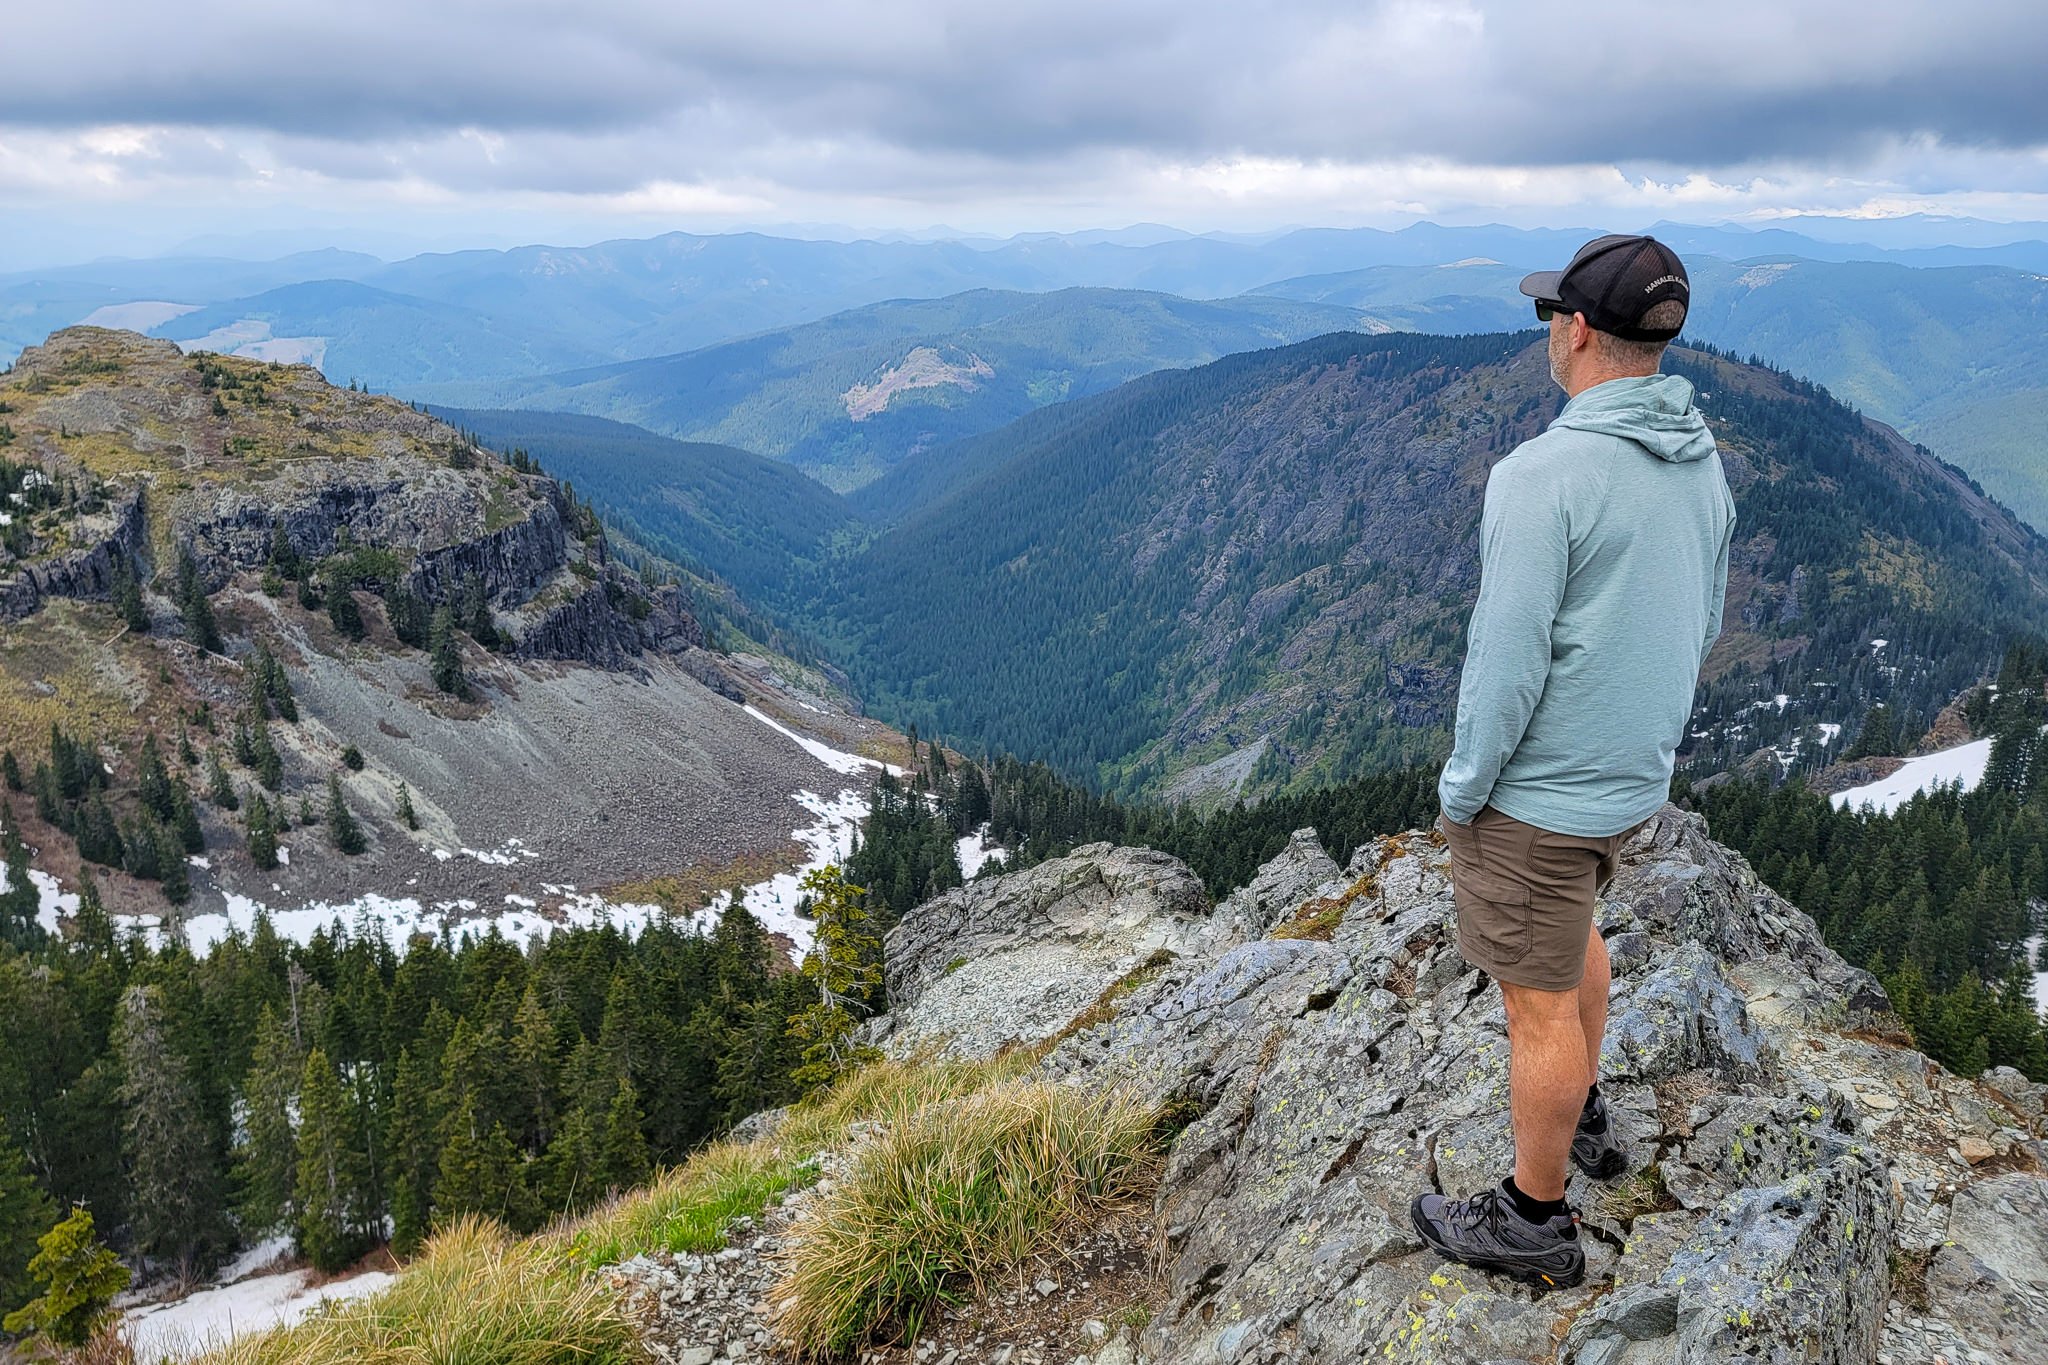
(923, 368)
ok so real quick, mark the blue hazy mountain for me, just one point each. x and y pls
(847, 397)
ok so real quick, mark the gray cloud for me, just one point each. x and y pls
(1541, 82)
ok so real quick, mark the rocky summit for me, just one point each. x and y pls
(1804, 1186)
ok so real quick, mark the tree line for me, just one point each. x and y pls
(343, 1090)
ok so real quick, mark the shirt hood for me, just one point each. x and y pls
(1655, 411)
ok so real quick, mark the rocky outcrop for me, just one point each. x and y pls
(115, 539)
(1802, 1188)
(511, 562)
(604, 620)
(1015, 958)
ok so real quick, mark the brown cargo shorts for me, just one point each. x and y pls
(1525, 896)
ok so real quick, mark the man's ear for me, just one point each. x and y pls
(1582, 332)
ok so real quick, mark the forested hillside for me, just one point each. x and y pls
(1268, 561)
(755, 523)
(1954, 357)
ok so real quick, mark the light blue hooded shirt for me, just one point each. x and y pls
(1603, 562)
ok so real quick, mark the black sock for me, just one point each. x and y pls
(1533, 1210)
(1591, 1119)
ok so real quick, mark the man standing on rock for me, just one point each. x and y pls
(1603, 564)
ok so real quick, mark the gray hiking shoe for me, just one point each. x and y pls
(1600, 1155)
(1487, 1232)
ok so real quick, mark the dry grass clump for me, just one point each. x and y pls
(475, 1295)
(950, 1195)
(1318, 919)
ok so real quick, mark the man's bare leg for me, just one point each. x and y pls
(1593, 990)
(1547, 1071)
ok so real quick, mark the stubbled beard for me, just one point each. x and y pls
(1557, 350)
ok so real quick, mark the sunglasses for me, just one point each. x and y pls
(1546, 309)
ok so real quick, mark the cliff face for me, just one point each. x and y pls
(1804, 1186)
(113, 538)
(219, 457)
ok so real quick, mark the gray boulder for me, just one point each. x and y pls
(1013, 959)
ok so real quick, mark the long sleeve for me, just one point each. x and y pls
(1716, 604)
(1524, 552)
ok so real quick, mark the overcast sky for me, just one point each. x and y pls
(129, 125)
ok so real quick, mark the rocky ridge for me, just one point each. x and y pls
(597, 746)
(1804, 1186)
(226, 458)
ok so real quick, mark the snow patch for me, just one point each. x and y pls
(828, 840)
(974, 851)
(837, 760)
(212, 1317)
(1964, 763)
(52, 901)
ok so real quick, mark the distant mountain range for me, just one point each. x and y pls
(704, 337)
(844, 399)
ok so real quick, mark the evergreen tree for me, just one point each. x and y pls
(153, 782)
(266, 1164)
(194, 607)
(332, 1222)
(264, 757)
(10, 771)
(571, 1175)
(80, 1278)
(218, 788)
(175, 1196)
(342, 830)
(352, 758)
(126, 595)
(479, 1173)
(185, 818)
(446, 655)
(409, 615)
(412, 1154)
(283, 558)
(844, 968)
(342, 611)
(623, 1159)
(21, 902)
(406, 813)
(172, 874)
(99, 835)
(262, 833)
(25, 1214)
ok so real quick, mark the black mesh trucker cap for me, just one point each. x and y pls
(1614, 280)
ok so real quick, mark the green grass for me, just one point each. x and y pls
(689, 1208)
(951, 1195)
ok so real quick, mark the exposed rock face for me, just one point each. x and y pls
(586, 620)
(115, 539)
(1784, 1158)
(1014, 958)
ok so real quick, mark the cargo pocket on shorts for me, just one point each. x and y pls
(1494, 914)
